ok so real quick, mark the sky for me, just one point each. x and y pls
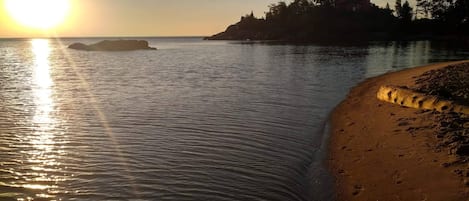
(91, 18)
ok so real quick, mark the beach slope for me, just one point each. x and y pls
(383, 151)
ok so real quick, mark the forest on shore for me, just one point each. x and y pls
(344, 20)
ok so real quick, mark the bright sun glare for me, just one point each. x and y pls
(41, 14)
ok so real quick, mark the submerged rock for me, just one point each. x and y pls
(113, 45)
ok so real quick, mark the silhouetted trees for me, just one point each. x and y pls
(310, 20)
(406, 12)
(454, 13)
(327, 19)
(403, 11)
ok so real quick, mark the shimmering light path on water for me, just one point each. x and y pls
(195, 120)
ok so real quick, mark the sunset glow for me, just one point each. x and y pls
(39, 14)
(97, 18)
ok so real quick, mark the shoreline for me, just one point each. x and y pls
(381, 151)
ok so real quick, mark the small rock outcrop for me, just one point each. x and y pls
(409, 98)
(113, 45)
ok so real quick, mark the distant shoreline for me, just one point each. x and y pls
(383, 151)
(243, 41)
(408, 38)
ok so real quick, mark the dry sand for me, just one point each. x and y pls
(381, 151)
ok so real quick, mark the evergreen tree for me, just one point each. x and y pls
(388, 10)
(406, 12)
(398, 8)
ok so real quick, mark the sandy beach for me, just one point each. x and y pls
(382, 151)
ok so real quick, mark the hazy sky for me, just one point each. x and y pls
(146, 17)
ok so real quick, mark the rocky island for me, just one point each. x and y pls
(113, 45)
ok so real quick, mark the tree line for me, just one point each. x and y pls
(309, 20)
(455, 12)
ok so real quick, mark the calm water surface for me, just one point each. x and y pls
(195, 120)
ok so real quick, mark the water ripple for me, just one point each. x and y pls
(194, 120)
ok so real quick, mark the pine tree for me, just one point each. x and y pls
(406, 12)
(398, 8)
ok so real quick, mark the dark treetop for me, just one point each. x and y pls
(343, 20)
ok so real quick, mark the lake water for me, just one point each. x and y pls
(194, 120)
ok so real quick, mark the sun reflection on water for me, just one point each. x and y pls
(44, 154)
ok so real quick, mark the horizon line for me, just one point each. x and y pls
(72, 37)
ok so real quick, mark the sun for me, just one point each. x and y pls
(40, 14)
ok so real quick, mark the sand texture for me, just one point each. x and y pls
(383, 151)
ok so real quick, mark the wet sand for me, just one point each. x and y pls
(381, 151)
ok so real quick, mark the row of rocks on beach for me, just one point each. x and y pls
(450, 83)
(451, 129)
